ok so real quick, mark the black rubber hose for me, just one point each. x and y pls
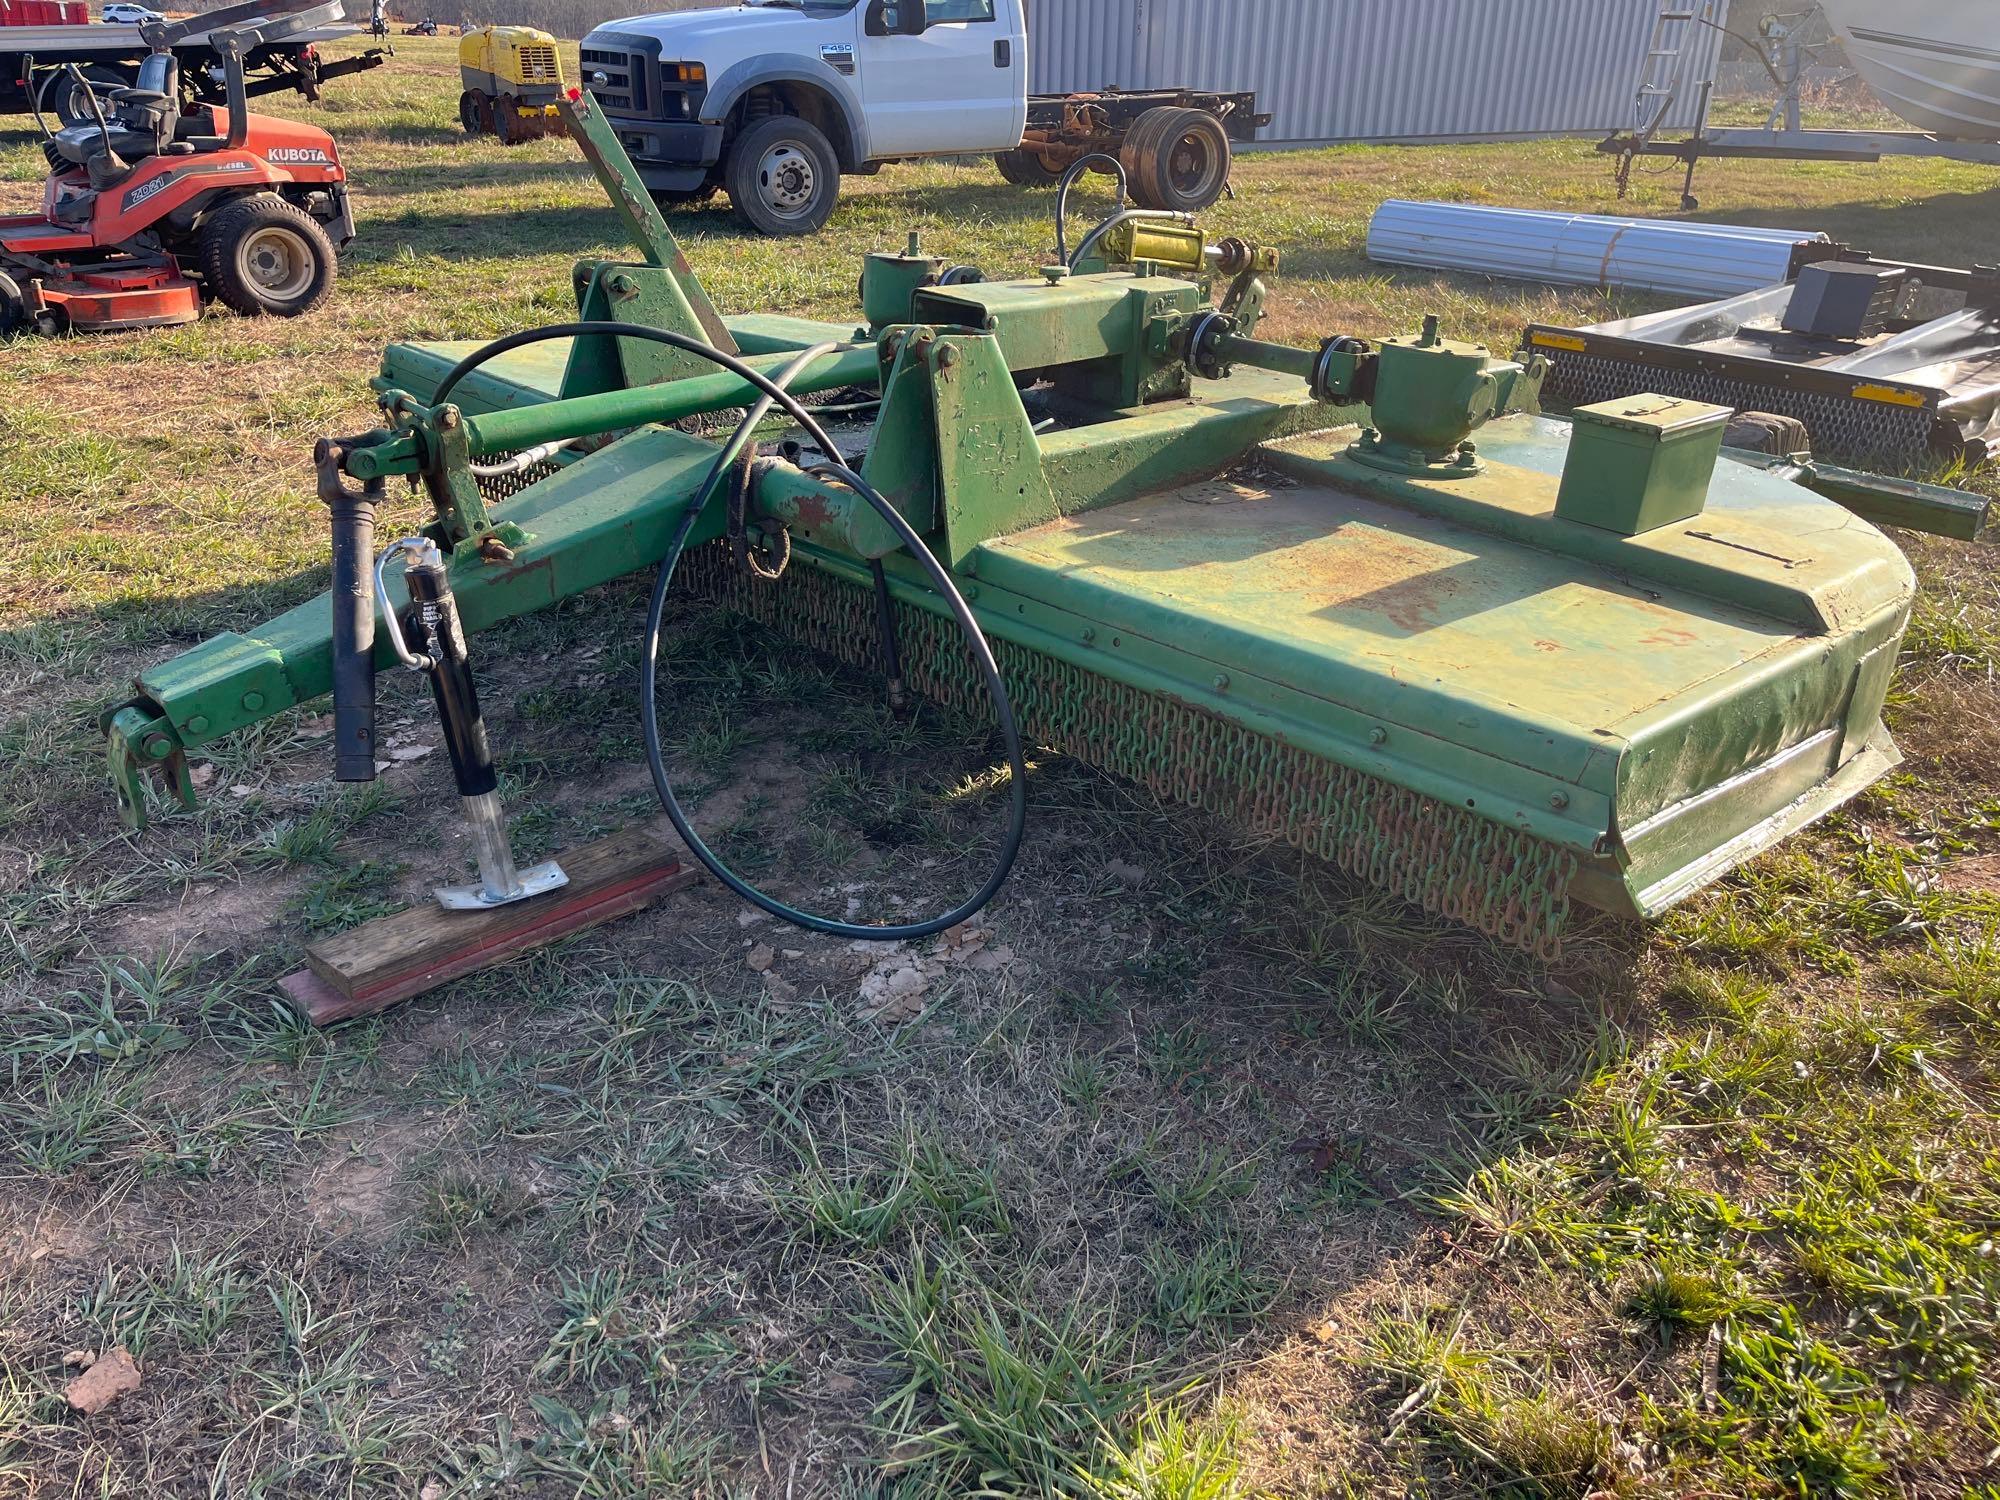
(1069, 177)
(773, 391)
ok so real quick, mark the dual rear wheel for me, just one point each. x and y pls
(1174, 158)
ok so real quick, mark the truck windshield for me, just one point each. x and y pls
(827, 6)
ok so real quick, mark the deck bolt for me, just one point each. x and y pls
(253, 701)
(1087, 635)
(1222, 682)
(198, 724)
(969, 592)
(157, 746)
(948, 356)
(448, 419)
(1378, 735)
(1558, 800)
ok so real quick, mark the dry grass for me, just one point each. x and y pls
(1234, 1180)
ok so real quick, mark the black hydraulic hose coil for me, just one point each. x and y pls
(1075, 170)
(774, 392)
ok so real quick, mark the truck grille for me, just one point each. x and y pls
(623, 91)
(538, 65)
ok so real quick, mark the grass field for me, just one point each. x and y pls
(1195, 1173)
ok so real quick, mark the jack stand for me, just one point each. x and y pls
(434, 613)
(472, 927)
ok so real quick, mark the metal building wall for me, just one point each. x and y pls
(1083, 44)
(1372, 70)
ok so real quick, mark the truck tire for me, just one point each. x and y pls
(261, 255)
(1025, 169)
(782, 176)
(71, 107)
(1177, 159)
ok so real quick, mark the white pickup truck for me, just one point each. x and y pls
(771, 102)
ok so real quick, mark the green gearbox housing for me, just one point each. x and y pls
(1496, 677)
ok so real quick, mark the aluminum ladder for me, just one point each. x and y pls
(1663, 73)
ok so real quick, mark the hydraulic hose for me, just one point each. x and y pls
(1068, 180)
(774, 392)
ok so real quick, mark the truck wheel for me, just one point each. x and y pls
(260, 255)
(1177, 159)
(72, 104)
(783, 177)
(468, 110)
(1025, 169)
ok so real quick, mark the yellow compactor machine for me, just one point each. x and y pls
(512, 77)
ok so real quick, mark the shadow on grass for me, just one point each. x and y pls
(1951, 228)
(410, 134)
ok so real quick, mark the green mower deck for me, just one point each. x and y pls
(1489, 678)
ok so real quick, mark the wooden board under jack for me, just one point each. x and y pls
(373, 966)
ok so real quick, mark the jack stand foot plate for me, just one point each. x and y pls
(380, 963)
(538, 881)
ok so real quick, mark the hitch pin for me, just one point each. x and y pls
(446, 664)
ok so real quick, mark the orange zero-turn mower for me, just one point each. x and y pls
(151, 208)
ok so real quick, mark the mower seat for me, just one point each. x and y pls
(142, 118)
(79, 143)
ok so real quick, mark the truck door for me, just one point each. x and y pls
(960, 86)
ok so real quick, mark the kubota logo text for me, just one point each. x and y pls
(298, 156)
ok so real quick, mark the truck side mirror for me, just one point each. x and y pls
(897, 18)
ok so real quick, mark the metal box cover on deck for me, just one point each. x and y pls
(1641, 462)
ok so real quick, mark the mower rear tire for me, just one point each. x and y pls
(783, 177)
(261, 255)
(13, 306)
